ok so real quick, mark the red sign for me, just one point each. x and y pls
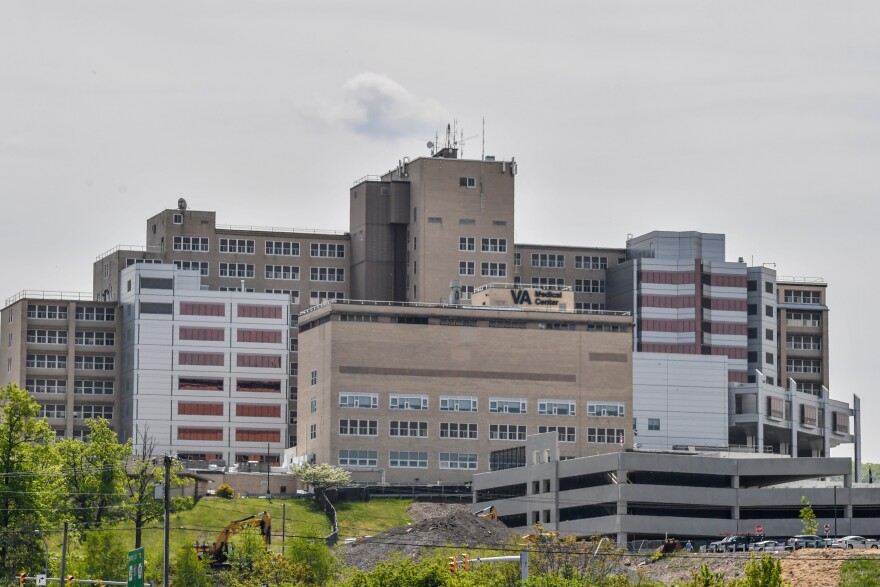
(759, 529)
(827, 528)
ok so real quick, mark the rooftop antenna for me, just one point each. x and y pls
(431, 147)
(448, 130)
(483, 138)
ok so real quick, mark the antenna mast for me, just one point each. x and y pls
(483, 152)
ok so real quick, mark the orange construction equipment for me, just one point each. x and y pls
(220, 548)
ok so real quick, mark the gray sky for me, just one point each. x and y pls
(756, 119)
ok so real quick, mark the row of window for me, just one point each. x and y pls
(40, 361)
(241, 335)
(802, 297)
(471, 404)
(59, 312)
(589, 285)
(80, 386)
(487, 269)
(83, 412)
(487, 245)
(248, 246)
(288, 272)
(557, 260)
(218, 360)
(218, 384)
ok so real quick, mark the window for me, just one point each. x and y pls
(458, 404)
(48, 312)
(803, 342)
(286, 248)
(467, 221)
(237, 245)
(768, 333)
(605, 435)
(282, 272)
(358, 428)
(51, 385)
(605, 410)
(493, 245)
(402, 428)
(408, 459)
(752, 356)
(247, 435)
(466, 268)
(794, 296)
(768, 358)
(36, 336)
(313, 431)
(751, 285)
(93, 314)
(53, 410)
(313, 405)
(556, 408)
(408, 402)
(493, 269)
(314, 377)
(752, 333)
(776, 408)
(177, 219)
(294, 368)
(551, 282)
(94, 363)
(465, 243)
(258, 361)
(566, 433)
(201, 359)
(768, 286)
(458, 460)
(458, 430)
(327, 250)
(810, 319)
(548, 260)
(768, 310)
(84, 412)
(327, 274)
(200, 384)
(258, 336)
(435, 220)
(517, 259)
(196, 244)
(90, 338)
(507, 432)
(46, 361)
(259, 311)
(236, 270)
(199, 409)
(589, 306)
(653, 423)
(499, 405)
(590, 262)
(292, 293)
(200, 266)
(319, 297)
(803, 365)
(358, 400)
(752, 309)
(357, 458)
(589, 285)
(467, 182)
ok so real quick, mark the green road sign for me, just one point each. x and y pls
(136, 567)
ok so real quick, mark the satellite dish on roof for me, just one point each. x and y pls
(431, 146)
(181, 204)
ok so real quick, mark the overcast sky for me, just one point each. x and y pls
(760, 120)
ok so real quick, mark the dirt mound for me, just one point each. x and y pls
(454, 527)
(810, 567)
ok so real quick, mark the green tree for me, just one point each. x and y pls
(762, 572)
(145, 472)
(244, 551)
(92, 476)
(100, 555)
(808, 517)
(314, 557)
(26, 460)
(705, 577)
(321, 476)
(189, 571)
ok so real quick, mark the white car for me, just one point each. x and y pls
(768, 546)
(851, 542)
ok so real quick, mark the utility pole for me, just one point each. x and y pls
(64, 553)
(166, 574)
(283, 521)
(268, 468)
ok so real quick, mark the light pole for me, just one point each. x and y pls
(268, 469)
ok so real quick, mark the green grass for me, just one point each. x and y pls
(860, 572)
(368, 518)
(302, 518)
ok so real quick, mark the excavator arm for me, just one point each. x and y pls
(221, 545)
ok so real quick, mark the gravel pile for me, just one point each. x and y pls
(454, 526)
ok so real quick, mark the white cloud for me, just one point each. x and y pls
(375, 105)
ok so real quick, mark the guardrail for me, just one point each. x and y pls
(50, 295)
(242, 228)
(133, 248)
(797, 279)
(451, 306)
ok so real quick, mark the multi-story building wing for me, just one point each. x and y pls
(204, 373)
(803, 333)
(63, 348)
(583, 269)
(421, 392)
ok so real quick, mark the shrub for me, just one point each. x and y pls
(225, 491)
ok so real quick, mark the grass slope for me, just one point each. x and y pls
(301, 518)
(859, 573)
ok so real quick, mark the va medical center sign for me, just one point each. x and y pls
(537, 297)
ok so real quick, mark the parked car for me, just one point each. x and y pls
(730, 544)
(805, 541)
(768, 546)
(855, 542)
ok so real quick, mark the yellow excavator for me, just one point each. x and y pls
(220, 549)
(488, 513)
